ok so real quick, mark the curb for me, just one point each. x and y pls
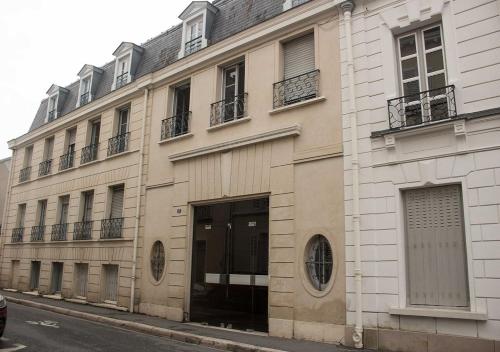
(220, 344)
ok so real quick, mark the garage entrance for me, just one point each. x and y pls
(229, 274)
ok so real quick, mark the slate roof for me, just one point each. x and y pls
(233, 16)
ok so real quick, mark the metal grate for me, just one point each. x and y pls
(17, 235)
(193, 46)
(37, 233)
(25, 174)
(118, 144)
(319, 262)
(229, 109)
(45, 168)
(89, 153)
(296, 89)
(176, 125)
(84, 98)
(59, 232)
(82, 230)
(111, 228)
(66, 161)
(121, 80)
(157, 260)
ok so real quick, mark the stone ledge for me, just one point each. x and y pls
(438, 313)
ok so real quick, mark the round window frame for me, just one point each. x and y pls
(151, 276)
(305, 278)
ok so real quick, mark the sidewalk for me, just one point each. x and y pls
(222, 339)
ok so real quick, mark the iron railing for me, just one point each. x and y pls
(121, 80)
(229, 109)
(176, 125)
(45, 168)
(422, 108)
(25, 174)
(111, 228)
(89, 153)
(296, 89)
(59, 232)
(82, 230)
(52, 115)
(193, 45)
(37, 233)
(17, 235)
(84, 98)
(66, 161)
(118, 144)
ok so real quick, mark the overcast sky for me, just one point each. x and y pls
(48, 41)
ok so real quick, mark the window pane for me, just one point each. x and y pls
(437, 81)
(432, 38)
(407, 46)
(434, 61)
(409, 68)
(413, 89)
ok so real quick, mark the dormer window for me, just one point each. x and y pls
(123, 74)
(127, 56)
(89, 80)
(85, 91)
(52, 112)
(57, 96)
(195, 35)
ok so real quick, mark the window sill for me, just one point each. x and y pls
(121, 154)
(228, 124)
(66, 170)
(438, 313)
(174, 139)
(88, 163)
(297, 105)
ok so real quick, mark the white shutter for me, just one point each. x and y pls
(117, 202)
(299, 56)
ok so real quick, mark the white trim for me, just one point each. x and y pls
(118, 60)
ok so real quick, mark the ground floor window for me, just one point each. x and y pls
(319, 262)
(81, 278)
(14, 275)
(35, 275)
(56, 280)
(110, 283)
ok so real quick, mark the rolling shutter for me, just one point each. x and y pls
(117, 202)
(299, 56)
(437, 267)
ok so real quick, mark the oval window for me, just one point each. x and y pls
(319, 262)
(157, 260)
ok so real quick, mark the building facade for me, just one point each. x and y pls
(421, 169)
(4, 186)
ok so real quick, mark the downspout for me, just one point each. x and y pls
(138, 201)
(357, 336)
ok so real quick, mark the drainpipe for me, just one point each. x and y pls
(357, 336)
(138, 201)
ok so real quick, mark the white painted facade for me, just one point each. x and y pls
(463, 151)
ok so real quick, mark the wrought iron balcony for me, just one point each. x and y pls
(192, 46)
(89, 153)
(66, 161)
(296, 89)
(82, 230)
(118, 144)
(121, 80)
(17, 235)
(229, 109)
(25, 174)
(84, 98)
(176, 125)
(59, 232)
(111, 228)
(45, 168)
(422, 108)
(37, 233)
(51, 115)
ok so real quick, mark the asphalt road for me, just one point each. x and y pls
(31, 329)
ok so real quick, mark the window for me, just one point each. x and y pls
(63, 209)
(56, 280)
(83, 230)
(89, 152)
(110, 284)
(319, 262)
(123, 72)
(157, 260)
(25, 173)
(18, 231)
(116, 207)
(112, 227)
(194, 36)
(81, 279)
(196, 22)
(45, 166)
(52, 108)
(435, 247)
(59, 229)
(85, 90)
(119, 143)
(67, 160)
(38, 231)
(88, 202)
(35, 275)
(178, 124)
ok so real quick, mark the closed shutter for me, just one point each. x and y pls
(299, 56)
(117, 202)
(437, 267)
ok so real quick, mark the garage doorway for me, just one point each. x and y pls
(229, 275)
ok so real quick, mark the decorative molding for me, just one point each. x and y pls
(229, 124)
(313, 154)
(297, 105)
(293, 130)
(390, 141)
(459, 128)
(170, 182)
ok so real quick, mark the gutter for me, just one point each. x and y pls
(138, 201)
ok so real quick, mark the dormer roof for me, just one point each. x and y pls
(196, 7)
(55, 89)
(126, 47)
(86, 69)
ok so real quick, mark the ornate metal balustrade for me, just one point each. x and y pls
(82, 230)
(229, 109)
(193, 45)
(84, 98)
(118, 144)
(422, 108)
(296, 89)
(25, 174)
(66, 161)
(45, 168)
(111, 228)
(17, 235)
(37, 233)
(176, 125)
(59, 232)
(89, 153)
(121, 80)
(51, 115)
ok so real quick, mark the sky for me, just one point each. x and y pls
(45, 42)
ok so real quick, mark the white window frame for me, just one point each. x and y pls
(55, 98)
(87, 78)
(126, 57)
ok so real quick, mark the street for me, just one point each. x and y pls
(31, 329)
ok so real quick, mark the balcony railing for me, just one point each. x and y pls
(296, 89)
(118, 144)
(59, 232)
(111, 228)
(17, 235)
(176, 125)
(82, 230)
(193, 45)
(84, 98)
(66, 161)
(52, 115)
(25, 174)
(229, 109)
(121, 80)
(422, 108)
(37, 233)
(89, 153)
(45, 168)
